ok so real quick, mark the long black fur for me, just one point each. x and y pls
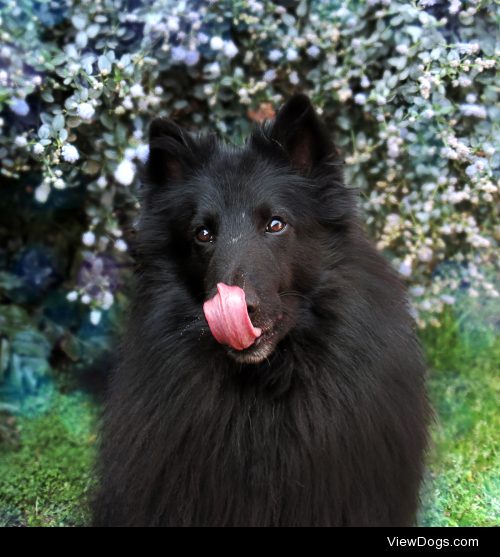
(330, 428)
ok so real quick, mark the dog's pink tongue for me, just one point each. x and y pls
(228, 318)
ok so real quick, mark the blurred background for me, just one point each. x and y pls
(410, 92)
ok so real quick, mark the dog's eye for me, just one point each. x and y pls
(204, 235)
(276, 225)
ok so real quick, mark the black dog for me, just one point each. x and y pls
(293, 397)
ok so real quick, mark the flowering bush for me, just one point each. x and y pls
(410, 92)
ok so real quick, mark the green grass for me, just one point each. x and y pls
(463, 486)
(46, 460)
(46, 465)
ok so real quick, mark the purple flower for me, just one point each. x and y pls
(192, 57)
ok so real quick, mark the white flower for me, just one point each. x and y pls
(360, 98)
(127, 103)
(95, 317)
(454, 6)
(402, 49)
(85, 110)
(20, 107)
(291, 54)
(60, 184)
(345, 94)
(424, 253)
(405, 268)
(125, 172)
(216, 43)
(72, 296)
(69, 153)
(137, 90)
(313, 51)
(20, 141)
(142, 153)
(158, 91)
(427, 3)
(381, 100)
(464, 81)
(365, 82)
(230, 49)
(269, 76)
(202, 38)
(102, 182)
(88, 238)
(129, 154)
(214, 69)
(38, 148)
(473, 110)
(275, 55)
(356, 44)
(418, 291)
(429, 113)
(42, 193)
(107, 300)
(193, 16)
(120, 245)
(467, 48)
(173, 24)
(294, 78)
(86, 299)
(471, 98)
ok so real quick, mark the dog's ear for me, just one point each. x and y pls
(170, 151)
(303, 137)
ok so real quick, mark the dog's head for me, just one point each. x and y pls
(259, 219)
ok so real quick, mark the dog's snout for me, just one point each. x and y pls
(252, 302)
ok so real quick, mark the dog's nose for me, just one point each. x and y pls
(252, 301)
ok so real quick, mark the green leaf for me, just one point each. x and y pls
(301, 9)
(79, 22)
(288, 19)
(59, 59)
(58, 122)
(47, 96)
(104, 64)
(70, 348)
(93, 30)
(436, 53)
(44, 132)
(63, 135)
(8, 281)
(398, 62)
(81, 39)
(107, 121)
(494, 113)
